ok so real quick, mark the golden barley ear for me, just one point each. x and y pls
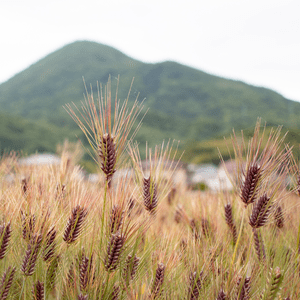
(38, 291)
(30, 258)
(75, 224)
(5, 234)
(6, 282)
(114, 251)
(158, 282)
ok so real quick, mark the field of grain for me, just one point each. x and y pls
(140, 236)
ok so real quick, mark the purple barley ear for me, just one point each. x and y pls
(6, 282)
(116, 219)
(261, 211)
(150, 195)
(30, 258)
(38, 291)
(158, 282)
(259, 245)
(250, 186)
(195, 228)
(243, 291)
(131, 265)
(194, 286)
(108, 156)
(49, 248)
(279, 220)
(28, 225)
(114, 250)
(5, 234)
(221, 295)
(82, 297)
(230, 222)
(75, 224)
(115, 293)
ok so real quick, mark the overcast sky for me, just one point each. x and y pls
(256, 41)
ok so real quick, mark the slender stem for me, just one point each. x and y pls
(236, 247)
(23, 287)
(103, 211)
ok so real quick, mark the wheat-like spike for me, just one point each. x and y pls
(194, 286)
(195, 229)
(83, 275)
(158, 282)
(279, 220)
(130, 206)
(205, 225)
(49, 249)
(108, 155)
(51, 273)
(30, 258)
(276, 280)
(38, 291)
(114, 249)
(150, 195)
(6, 282)
(74, 225)
(259, 245)
(130, 268)
(5, 234)
(28, 225)
(260, 212)
(250, 186)
(82, 297)
(230, 222)
(115, 293)
(221, 295)
(24, 186)
(71, 276)
(244, 291)
(116, 219)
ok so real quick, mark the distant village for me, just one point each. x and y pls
(192, 176)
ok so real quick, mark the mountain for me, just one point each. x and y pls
(185, 103)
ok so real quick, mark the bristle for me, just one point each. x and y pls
(230, 222)
(74, 225)
(250, 186)
(5, 234)
(150, 195)
(114, 251)
(107, 154)
(158, 282)
(38, 291)
(6, 282)
(260, 212)
(30, 258)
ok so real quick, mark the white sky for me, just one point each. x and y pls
(256, 41)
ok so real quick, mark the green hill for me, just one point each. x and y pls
(185, 103)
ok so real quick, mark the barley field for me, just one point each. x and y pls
(141, 236)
